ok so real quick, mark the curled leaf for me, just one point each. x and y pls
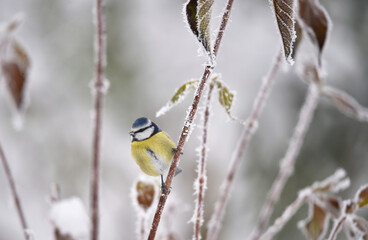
(15, 69)
(225, 96)
(362, 196)
(285, 18)
(179, 96)
(317, 223)
(346, 104)
(316, 18)
(198, 13)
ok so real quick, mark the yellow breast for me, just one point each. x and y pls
(159, 145)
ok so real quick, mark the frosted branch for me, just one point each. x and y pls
(100, 55)
(336, 228)
(288, 162)
(15, 195)
(249, 129)
(201, 181)
(187, 125)
(284, 218)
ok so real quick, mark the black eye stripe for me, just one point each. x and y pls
(142, 129)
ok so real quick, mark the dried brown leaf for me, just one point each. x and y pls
(285, 18)
(15, 80)
(316, 18)
(362, 196)
(15, 71)
(145, 194)
(316, 226)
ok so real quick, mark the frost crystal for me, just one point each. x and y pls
(70, 218)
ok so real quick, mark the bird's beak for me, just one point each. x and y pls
(131, 133)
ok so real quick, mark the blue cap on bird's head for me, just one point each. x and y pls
(141, 123)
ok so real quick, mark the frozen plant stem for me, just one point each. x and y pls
(284, 218)
(100, 52)
(217, 216)
(14, 192)
(188, 122)
(288, 162)
(201, 179)
(142, 229)
(335, 230)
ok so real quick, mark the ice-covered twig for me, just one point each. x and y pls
(346, 103)
(288, 162)
(336, 228)
(201, 181)
(243, 142)
(333, 183)
(99, 90)
(284, 218)
(15, 195)
(188, 123)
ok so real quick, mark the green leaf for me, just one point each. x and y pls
(198, 14)
(178, 96)
(225, 96)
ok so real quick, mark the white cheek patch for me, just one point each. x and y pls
(144, 134)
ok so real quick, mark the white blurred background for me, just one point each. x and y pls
(150, 53)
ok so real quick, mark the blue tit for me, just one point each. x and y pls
(152, 149)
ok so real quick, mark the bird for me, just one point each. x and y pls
(152, 149)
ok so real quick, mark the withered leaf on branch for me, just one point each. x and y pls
(316, 225)
(316, 18)
(198, 13)
(285, 18)
(15, 71)
(362, 196)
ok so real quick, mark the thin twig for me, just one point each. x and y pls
(284, 218)
(202, 179)
(288, 162)
(335, 230)
(15, 195)
(100, 52)
(188, 122)
(245, 138)
(142, 229)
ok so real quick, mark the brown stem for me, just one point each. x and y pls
(336, 228)
(201, 180)
(188, 122)
(14, 192)
(247, 134)
(288, 162)
(100, 52)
